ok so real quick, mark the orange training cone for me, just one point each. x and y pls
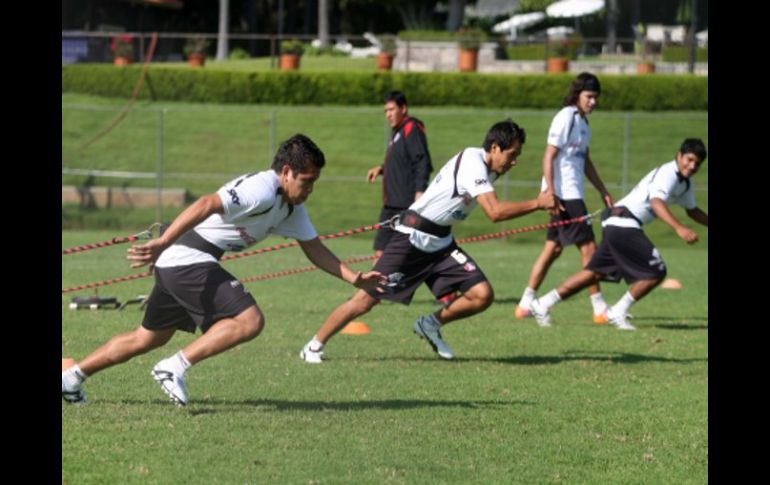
(671, 284)
(66, 363)
(356, 328)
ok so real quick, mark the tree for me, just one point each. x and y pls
(456, 13)
(222, 36)
(323, 22)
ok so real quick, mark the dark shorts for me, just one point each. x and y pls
(385, 233)
(626, 253)
(444, 271)
(575, 233)
(197, 295)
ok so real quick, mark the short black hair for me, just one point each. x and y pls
(297, 152)
(504, 134)
(694, 146)
(396, 96)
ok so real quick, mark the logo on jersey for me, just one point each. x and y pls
(234, 196)
(459, 215)
(247, 238)
(397, 137)
(480, 182)
(469, 267)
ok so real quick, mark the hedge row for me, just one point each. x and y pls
(681, 53)
(647, 93)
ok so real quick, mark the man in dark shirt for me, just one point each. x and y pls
(407, 167)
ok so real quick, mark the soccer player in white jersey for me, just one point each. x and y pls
(566, 160)
(191, 288)
(625, 251)
(423, 249)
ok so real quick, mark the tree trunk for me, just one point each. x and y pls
(323, 22)
(456, 13)
(612, 21)
(222, 37)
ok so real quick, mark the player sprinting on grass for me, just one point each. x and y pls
(625, 251)
(191, 288)
(423, 249)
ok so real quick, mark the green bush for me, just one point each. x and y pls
(531, 52)
(324, 51)
(648, 93)
(427, 35)
(681, 53)
(238, 54)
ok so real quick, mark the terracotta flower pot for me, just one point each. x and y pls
(288, 62)
(645, 67)
(558, 64)
(121, 61)
(196, 59)
(468, 60)
(384, 61)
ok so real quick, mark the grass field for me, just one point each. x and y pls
(575, 403)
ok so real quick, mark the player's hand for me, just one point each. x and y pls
(547, 201)
(144, 254)
(371, 280)
(607, 198)
(373, 173)
(689, 236)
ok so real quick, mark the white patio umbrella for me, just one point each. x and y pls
(518, 21)
(574, 8)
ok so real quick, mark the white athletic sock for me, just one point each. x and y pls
(74, 375)
(315, 344)
(550, 299)
(597, 301)
(622, 306)
(177, 363)
(527, 297)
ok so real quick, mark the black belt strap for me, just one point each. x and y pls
(410, 218)
(192, 239)
(619, 211)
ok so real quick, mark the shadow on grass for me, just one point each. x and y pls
(614, 357)
(213, 406)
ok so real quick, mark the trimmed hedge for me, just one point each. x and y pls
(681, 53)
(644, 93)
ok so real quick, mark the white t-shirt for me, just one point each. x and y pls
(253, 209)
(439, 203)
(662, 183)
(570, 133)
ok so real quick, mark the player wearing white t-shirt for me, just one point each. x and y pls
(567, 159)
(625, 251)
(191, 288)
(424, 251)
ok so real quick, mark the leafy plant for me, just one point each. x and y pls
(292, 46)
(196, 45)
(470, 39)
(388, 44)
(122, 46)
(567, 48)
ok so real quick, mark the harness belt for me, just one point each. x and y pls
(619, 211)
(192, 239)
(410, 218)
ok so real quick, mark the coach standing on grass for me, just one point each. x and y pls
(423, 249)
(191, 288)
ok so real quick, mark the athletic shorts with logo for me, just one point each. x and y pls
(406, 267)
(575, 233)
(196, 295)
(627, 253)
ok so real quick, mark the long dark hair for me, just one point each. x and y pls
(585, 81)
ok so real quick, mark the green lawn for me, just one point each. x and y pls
(575, 403)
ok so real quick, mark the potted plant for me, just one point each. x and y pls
(387, 52)
(291, 51)
(559, 52)
(195, 50)
(469, 41)
(645, 65)
(122, 48)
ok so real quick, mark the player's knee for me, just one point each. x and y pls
(482, 295)
(252, 325)
(362, 303)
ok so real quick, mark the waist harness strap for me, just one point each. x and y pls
(619, 211)
(192, 239)
(411, 218)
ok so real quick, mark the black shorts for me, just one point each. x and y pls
(385, 233)
(626, 252)
(194, 295)
(575, 233)
(406, 267)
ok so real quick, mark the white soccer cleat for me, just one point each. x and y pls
(72, 392)
(619, 321)
(172, 384)
(542, 316)
(425, 327)
(310, 355)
